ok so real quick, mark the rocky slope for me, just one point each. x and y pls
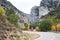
(22, 16)
(9, 31)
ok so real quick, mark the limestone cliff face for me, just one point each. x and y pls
(50, 4)
(34, 14)
(45, 7)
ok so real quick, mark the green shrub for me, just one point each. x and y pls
(45, 25)
(11, 16)
(34, 25)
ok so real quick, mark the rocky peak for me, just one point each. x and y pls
(50, 4)
(35, 10)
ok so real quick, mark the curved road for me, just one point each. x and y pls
(46, 35)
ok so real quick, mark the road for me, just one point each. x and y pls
(46, 35)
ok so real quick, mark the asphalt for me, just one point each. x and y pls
(46, 35)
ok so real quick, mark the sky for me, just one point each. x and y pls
(25, 5)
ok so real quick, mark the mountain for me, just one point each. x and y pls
(9, 30)
(45, 7)
(53, 15)
(22, 16)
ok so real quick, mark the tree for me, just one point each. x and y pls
(13, 19)
(9, 12)
(34, 25)
(58, 26)
(54, 22)
(37, 28)
(53, 28)
(45, 25)
(2, 15)
(23, 27)
(2, 11)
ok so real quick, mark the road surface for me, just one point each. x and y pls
(46, 35)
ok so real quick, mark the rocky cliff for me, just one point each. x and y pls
(50, 4)
(45, 7)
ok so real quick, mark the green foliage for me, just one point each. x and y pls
(2, 11)
(45, 25)
(34, 24)
(11, 16)
(25, 24)
(9, 12)
(13, 19)
(54, 22)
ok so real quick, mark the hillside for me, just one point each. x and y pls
(10, 22)
(22, 16)
(9, 28)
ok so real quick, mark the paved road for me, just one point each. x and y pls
(46, 35)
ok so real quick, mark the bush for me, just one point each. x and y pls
(34, 25)
(11, 16)
(45, 25)
(13, 19)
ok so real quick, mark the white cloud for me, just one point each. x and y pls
(25, 5)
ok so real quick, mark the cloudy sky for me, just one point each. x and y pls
(25, 5)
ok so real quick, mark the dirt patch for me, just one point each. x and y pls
(34, 36)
